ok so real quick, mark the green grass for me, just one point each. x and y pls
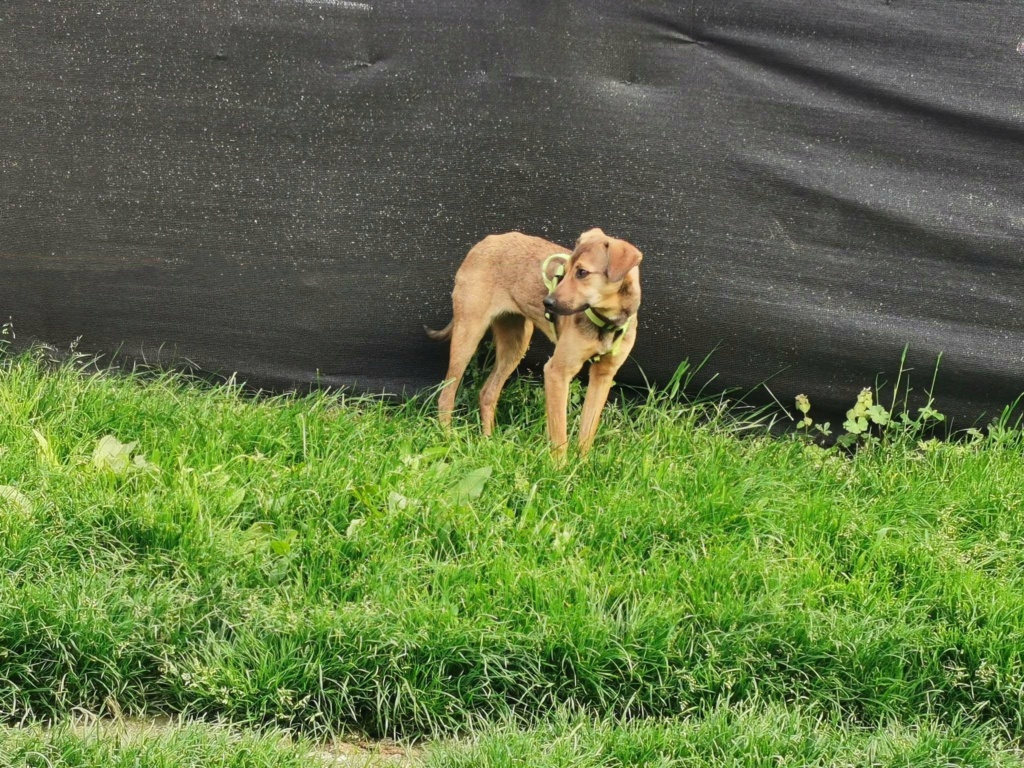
(327, 565)
(191, 746)
(737, 737)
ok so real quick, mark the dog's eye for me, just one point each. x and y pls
(581, 273)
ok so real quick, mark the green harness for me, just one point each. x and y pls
(599, 320)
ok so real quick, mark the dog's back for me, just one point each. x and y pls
(501, 275)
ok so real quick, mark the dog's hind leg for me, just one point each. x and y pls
(511, 340)
(467, 332)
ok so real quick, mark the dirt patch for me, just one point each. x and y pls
(369, 753)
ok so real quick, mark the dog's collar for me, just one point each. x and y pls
(619, 331)
(552, 282)
(602, 322)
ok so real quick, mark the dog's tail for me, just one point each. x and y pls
(444, 334)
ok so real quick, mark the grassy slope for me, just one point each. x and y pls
(298, 563)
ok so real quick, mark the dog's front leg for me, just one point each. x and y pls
(601, 380)
(602, 376)
(558, 372)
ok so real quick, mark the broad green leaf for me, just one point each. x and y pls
(879, 415)
(110, 453)
(855, 425)
(45, 449)
(283, 545)
(413, 461)
(803, 404)
(15, 498)
(234, 500)
(139, 462)
(397, 500)
(260, 529)
(472, 485)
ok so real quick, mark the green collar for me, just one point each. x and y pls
(605, 324)
(552, 282)
(600, 321)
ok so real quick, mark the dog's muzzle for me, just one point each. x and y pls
(552, 307)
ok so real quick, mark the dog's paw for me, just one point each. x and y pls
(559, 455)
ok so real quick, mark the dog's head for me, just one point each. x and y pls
(602, 274)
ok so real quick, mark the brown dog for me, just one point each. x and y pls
(503, 284)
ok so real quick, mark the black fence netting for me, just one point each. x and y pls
(284, 188)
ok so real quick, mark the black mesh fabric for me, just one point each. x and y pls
(284, 188)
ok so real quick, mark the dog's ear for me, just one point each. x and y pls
(622, 257)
